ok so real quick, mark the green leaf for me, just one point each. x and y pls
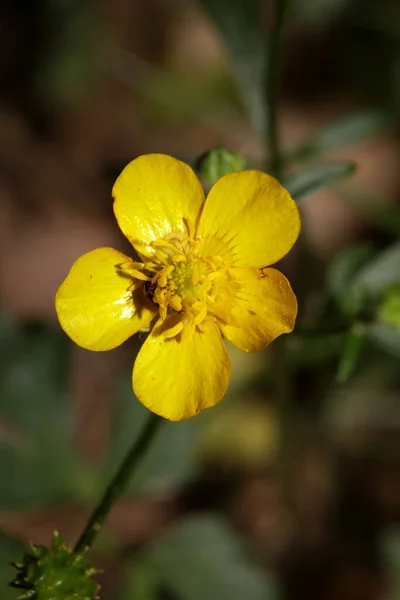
(342, 278)
(202, 558)
(353, 345)
(382, 272)
(341, 133)
(306, 182)
(142, 582)
(34, 407)
(172, 456)
(313, 351)
(239, 23)
(385, 337)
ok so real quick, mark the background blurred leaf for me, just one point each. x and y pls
(37, 428)
(352, 347)
(172, 456)
(306, 182)
(342, 277)
(382, 272)
(341, 133)
(311, 351)
(9, 550)
(372, 206)
(390, 545)
(142, 583)
(385, 337)
(239, 23)
(202, 558)
(346, 264)
(76, 51)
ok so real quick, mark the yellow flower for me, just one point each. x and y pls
(201, 275)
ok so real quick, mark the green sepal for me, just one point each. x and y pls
(55, 573)
(218, 162)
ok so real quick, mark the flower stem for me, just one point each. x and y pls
(118, 483)
(273, 79)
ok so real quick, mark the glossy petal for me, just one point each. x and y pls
(177, 378)
(155, 196)
(94, 305)
(264, 308)
(253, 215)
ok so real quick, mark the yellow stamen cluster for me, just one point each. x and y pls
(181, 282)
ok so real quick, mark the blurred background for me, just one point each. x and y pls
(290, 488)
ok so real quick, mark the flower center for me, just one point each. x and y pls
(184, 284)
(182, 287)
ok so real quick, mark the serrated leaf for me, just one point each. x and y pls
(239, 24)
(171, 459)
(307, 182)
(342, 132)
(203, 558)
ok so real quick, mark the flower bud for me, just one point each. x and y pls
(55, 573)
(218, 162)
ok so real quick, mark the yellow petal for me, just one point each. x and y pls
(264, 308)
(94, 304)
(156, 196)
(253, 215)
(177, 378)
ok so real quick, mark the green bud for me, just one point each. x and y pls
(218, 162)
(389, 309)
(55, 573)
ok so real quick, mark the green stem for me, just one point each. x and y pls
(274, 70)
(118, 483)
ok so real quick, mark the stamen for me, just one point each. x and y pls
(170, 333)
(183, 282)
(138, 274)
(175, 302)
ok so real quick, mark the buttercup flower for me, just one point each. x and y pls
(201, 275)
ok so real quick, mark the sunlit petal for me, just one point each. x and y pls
(178, 377)
(263, 308)
(156, 196)
(254, 217)
(96, 304)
